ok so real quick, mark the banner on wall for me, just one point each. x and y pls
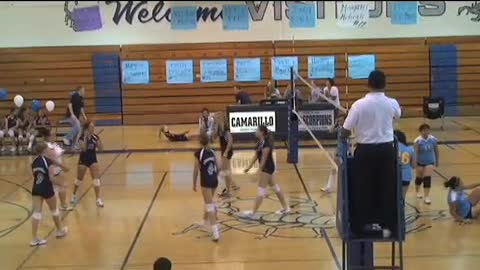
(184, 18)
(247, 69)
(353, 14)
(179, 71)
(281, 67)
(404, 13)
(135, 72)
(360, 66)
(302, 15)
(235, 17)
(214, 70)
(321, 67)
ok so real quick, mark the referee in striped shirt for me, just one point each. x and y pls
(373, 196)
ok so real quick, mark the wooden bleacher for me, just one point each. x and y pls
(52, 72)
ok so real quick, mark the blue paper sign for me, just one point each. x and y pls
(281, 67)
(404, 13)
(235, 17)
(179, 71)
(302, 15)
(87, 19)
(247, 69)
(360, 66)
(184, 18)
(321, 67)
(135, 72)
(213, 70)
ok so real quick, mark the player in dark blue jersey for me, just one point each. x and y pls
(264, 155)
(42, 190)
(89, 143)
(206, 164)
(226, 151)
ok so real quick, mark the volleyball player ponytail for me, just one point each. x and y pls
(268, 135)
(452, 183)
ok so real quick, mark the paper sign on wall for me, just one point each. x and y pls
(135, 72)
(184, 18)
(404, 13)
(320, 67)
(360, 66)
(281, 67)
(179, 71)
(235, 17)
(247, 69)
(302, 15)
(352, 14)
(214, 70)
(87, 19)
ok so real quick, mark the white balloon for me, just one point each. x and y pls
(18, 100)
(50, 105)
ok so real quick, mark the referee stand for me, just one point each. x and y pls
(358, 252)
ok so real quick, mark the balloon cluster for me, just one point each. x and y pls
(36, 104)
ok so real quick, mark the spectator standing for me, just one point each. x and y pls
(241, 97)
(75, 109)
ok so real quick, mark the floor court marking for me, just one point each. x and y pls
(34, 249)
(145, 216)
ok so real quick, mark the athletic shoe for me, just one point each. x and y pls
(247, 214)
(215, 233)
(38, 242)
(66, 208)
(66, 142)
(326, 190)
(13, 149)
(283, 211)
(74, 200)
(419, 196)
(100, 203)
(428, 200)
(61, 233)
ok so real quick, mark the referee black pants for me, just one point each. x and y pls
(373, 187)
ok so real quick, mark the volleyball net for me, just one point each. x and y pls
(314, 124)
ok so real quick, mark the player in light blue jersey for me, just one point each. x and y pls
(407, 160)
(463, 206)
(426, 151)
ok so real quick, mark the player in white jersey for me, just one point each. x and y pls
(56, 154)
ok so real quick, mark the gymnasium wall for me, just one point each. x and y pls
(44, 58)
(413, 68)
(49, 23)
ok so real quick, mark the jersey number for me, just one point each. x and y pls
(211, 169)
(405, 158)
(39, 178)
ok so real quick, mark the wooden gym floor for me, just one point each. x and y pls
(150, 210)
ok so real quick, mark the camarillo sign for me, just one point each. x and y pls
(248, 122)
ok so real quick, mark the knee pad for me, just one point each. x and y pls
(418, 181)
(37, 215)
(276, 188)
(210, 207)
(56, 213)
(77, 182)
(427, 182)
(31, 137)
(262, 192)
(11, 133)
(96, 182)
